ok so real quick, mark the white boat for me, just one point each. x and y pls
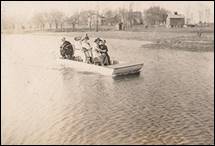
(110, 70)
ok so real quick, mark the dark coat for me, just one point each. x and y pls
(66, 49)
(104, 54)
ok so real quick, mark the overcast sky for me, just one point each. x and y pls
(25, 9)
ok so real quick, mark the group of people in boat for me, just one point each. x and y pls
(82, 50)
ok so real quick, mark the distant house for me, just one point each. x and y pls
(175, 20)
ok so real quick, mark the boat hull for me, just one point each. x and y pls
(126, 68)
(111, 70)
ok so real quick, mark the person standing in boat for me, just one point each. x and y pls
(87, 49)
(78, 48)
(66, 49)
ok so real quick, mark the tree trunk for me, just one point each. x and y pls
(50, 26)
(90, 21)
(56, 26)
(73, 27)
(97, 22)
(90, 25)
(43, 25)
(61, 27)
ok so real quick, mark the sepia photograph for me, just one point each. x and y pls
(107, 72)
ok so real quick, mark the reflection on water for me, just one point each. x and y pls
(170, 102)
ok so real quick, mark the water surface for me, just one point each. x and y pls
(170, 102)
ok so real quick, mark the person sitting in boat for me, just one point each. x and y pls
(96, 53)
(66, 49)
(101, 48)
(104, 52)
(87, 49)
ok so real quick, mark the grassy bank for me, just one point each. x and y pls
(194, 43)
(163, 38)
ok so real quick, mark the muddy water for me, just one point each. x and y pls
(170, 102)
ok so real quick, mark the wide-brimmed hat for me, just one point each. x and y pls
(78, 38)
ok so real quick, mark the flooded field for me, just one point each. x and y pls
(170, 102)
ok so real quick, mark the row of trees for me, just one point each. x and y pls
(56, 19)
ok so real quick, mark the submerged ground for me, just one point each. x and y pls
(170, 102)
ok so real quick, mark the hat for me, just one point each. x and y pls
(77, 38)
(97, 40)
(86, 37)
(63, 39)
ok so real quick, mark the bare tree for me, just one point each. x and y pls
(130, 15)
(49, 19)
(8, 23)
(85, 18)
(111, 17)
(97, 17)
(74, 20)
(57, 17)
(155, 15)
(108, 13)
(124, 15)
(90, 20)
(39, 20)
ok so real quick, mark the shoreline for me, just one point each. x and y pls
(174, 38)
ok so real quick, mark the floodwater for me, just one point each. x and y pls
(170, 102)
